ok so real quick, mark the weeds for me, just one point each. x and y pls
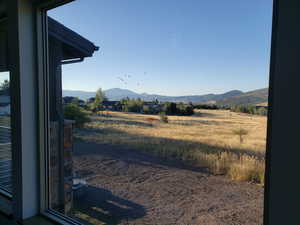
(163, 117)
(241, 133)
(207, 142)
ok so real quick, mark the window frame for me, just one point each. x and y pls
(44, 113)
(3, 23)
(44, 119)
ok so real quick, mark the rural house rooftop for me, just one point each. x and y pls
(74, 45)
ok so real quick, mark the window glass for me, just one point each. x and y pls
(5, 133)
(5, 115)
(158, 111)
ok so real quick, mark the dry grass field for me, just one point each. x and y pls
(5, 121)
(206, 140)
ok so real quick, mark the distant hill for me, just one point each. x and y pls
(84, 95)
(234, 97)
(259, 96)
(118, 93)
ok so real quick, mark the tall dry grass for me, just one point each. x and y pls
(205, 140)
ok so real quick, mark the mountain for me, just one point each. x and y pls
(118, 93)
(115, 94)
(84, 95)
(253, 97)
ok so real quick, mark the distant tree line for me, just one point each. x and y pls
(169, 108)
(132, 105)
(207, 106)
(5, 87)
(250, 109)
(179, 109)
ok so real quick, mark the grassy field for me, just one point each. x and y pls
(5, 121)
(207, 140)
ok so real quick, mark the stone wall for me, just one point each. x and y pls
(61, 167)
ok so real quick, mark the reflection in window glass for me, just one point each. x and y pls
(5, 133)
(166, 122)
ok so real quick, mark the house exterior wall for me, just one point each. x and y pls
(5, 110)
(3, 52)
(61, 169)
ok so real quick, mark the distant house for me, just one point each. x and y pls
(4, 105)
(112, 105)
(90, 100)
(71, 99)
(262, 105)
(154, 107)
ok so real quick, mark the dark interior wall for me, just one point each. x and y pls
(3, 47)
(55, 73)
(56, 124)
(283, 152)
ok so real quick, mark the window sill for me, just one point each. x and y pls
(38, 220)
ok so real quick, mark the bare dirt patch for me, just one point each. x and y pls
(130, 187)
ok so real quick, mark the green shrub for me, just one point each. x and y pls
(132, 105)
(241, 133)
(163, 117)
(170, 108)
(250, 109)
(179, 109)
(76, 113)
(147, 109)
(262, 111)
(207, 106)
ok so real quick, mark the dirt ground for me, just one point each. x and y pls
(126, 186)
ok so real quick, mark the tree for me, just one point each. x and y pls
(99, 99)
(132, 105)
(241, 133)
(79, 115)
(163, 117)
(5, 87)
(75, 101)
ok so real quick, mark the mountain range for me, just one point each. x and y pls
(234, 97)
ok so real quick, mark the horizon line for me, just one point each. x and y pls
(215, 93)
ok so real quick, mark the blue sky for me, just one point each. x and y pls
(171, 47)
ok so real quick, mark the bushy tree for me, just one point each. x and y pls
(5, 87)
(180, 109)
(146, 109)
(206, 106)
(250, 109)
(241, 133)
(132, 105)
(76, 113)
(185, 110)
(170, 108)
(75, 101)
(99, 99)
(262, 111)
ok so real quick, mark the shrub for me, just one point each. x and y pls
(179, 109)
(163, 117)
(241, 133)
(206, 106)
(76, 113)
(132, 105)
(147, 110)
(247, 169)
(262, 111)
(170, 108)
(185, 110)
(250, 109)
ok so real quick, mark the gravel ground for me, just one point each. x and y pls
(130, 187)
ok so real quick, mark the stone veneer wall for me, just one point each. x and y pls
(61, 168)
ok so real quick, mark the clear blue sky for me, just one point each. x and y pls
(171, 47)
